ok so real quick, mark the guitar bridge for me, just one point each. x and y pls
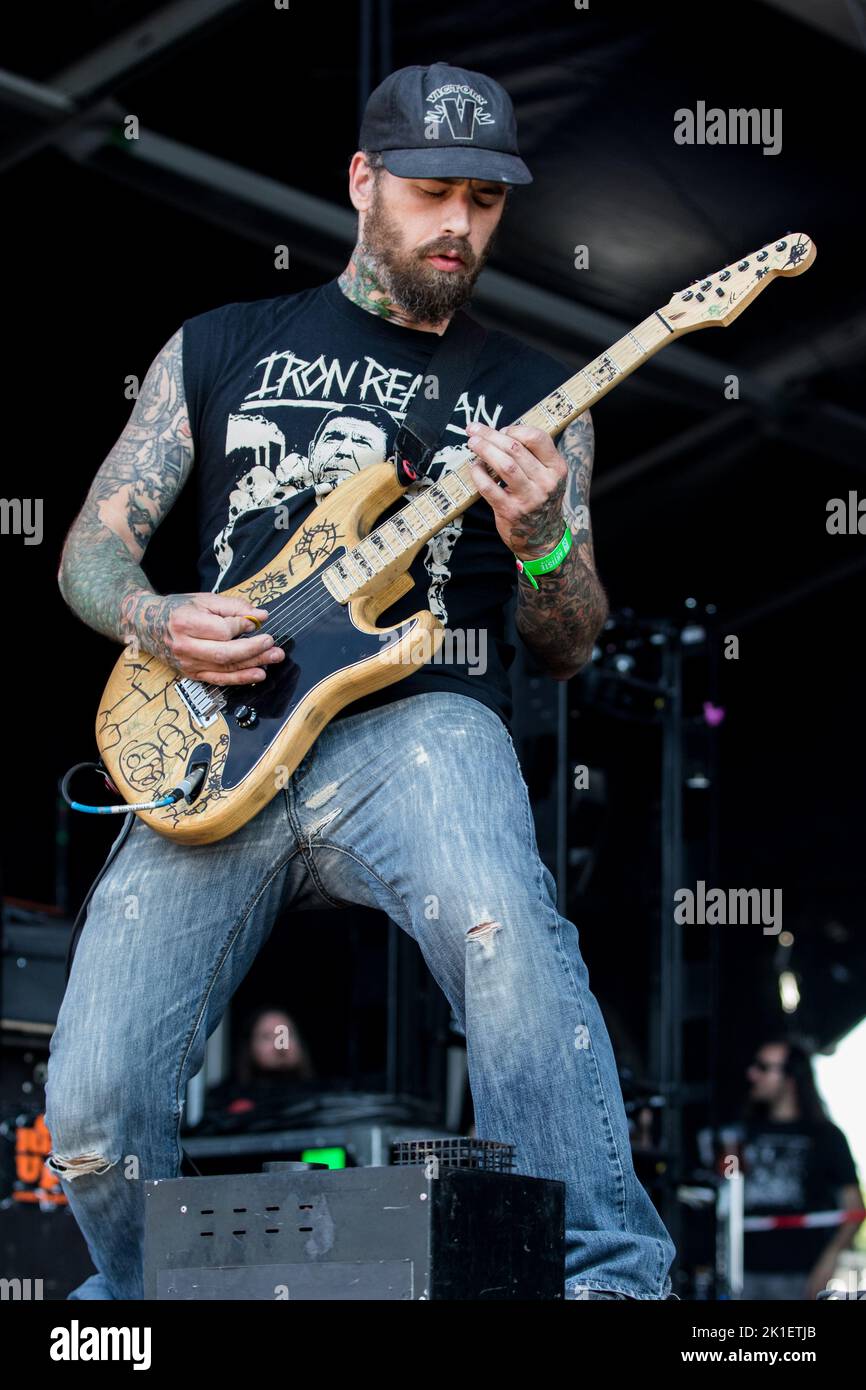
(203, 703)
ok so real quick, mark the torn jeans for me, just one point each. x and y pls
(417, 809)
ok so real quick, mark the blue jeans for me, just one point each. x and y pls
(417, 809)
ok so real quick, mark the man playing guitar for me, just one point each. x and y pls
(412, 802)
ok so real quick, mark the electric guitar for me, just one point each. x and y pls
(199, 760)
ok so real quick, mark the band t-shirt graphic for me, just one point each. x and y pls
(287, 397)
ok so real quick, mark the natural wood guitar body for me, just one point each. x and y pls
(148, 735)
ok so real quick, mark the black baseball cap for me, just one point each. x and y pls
(441, 122)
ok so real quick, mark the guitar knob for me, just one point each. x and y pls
(781, 245)
(246, 716)
(705, 284)
(744, 265)
(688, 295)
(762, 255)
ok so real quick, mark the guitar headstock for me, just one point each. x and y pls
(719, 298)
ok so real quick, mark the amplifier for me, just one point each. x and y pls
(32, 969)
(397, 1233)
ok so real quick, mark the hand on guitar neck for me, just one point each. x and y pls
(200, 635)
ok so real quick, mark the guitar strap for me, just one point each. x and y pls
(450, 369)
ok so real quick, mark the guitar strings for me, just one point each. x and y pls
(283, 608)
(310, 609)
(295, 606)
(309, 606)
(300, 607)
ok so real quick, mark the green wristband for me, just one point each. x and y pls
(546, 563)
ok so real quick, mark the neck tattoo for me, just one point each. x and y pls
(361, 283)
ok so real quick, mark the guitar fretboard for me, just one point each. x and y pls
(436, 505)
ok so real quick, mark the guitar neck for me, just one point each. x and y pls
(437, 505)
(599, 376)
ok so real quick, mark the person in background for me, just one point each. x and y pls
(272, 1068)
(794, 1161)
(271, 1042)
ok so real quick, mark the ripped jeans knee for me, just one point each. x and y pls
(76, 1167)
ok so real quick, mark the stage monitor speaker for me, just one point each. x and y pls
(387, 1234)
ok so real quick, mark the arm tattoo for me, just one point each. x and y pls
(100, 576)
(578, 447)
(560, 620)
(148, 617)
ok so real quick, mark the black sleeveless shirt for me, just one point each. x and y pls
(289, 396)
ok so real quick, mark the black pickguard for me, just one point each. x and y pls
(330, 642)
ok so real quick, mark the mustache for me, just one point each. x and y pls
(464, 252)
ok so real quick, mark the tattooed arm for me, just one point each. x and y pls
(100, 576)
(545, 487)
(569, 608)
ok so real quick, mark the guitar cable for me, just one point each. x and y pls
(174, 796)
(78, 924)
(185, 790)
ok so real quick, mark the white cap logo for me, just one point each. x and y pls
(460, 108)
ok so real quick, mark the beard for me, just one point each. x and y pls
(417, 287)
